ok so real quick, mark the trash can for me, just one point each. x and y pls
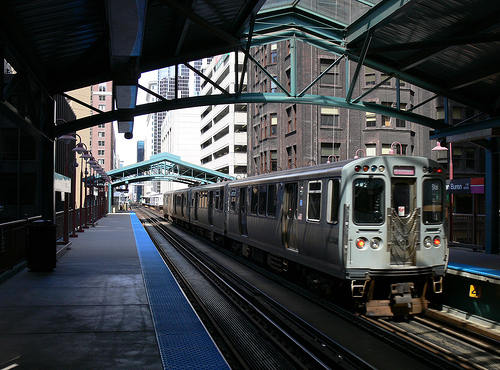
(41, 251)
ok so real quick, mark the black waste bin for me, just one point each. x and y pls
(41, 246)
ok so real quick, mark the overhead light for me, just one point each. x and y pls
(79, 148)
(127, 128)
(67, 138)
(438, 147)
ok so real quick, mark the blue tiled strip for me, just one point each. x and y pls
(182, 339)
(474, 270)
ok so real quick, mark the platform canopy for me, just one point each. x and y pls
(165, 167)
(448, 47)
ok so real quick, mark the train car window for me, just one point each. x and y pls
(433, 206)
(254, 200)
(221, 202)
(271, 200)
(401, 198)
(314, 201)
(368, 201)
(216, 199)
(262, 199)
(333, 202)
(232, 203)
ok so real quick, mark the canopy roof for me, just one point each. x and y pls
(449, 47)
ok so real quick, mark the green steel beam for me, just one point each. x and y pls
(366, 45)
(373, 18)
(248, 98)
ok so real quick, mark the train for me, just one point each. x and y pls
(371, 230)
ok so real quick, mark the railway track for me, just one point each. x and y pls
(445, 352)
(463, 348)
(280, 339)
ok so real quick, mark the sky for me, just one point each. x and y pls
(127, 149)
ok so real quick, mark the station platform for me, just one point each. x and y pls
(472, 286)
(111, 302)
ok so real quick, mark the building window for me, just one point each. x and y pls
(370, 77)
(102, 98)
(329, 117)
(264, 56)
(383, 77)
(288, 80)
(371, 150)
(291, 152)
(101, 161)
(331, 77)
(100, 152)
(263, 162)
(401, 123)
(371, 119)
(274, 53)
(328, 151)
(396, 147)
(102, 86)
(274, 86)
(274, 124)
(386, 120)
(263, 127)
(470, 158)
(101, 125)
(102, 107)
(291, 113)
(274, 160)
(101, 134)
(101, 143)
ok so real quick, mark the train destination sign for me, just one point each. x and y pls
(465, 186)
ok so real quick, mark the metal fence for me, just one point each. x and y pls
(14, 235)
(468, 232)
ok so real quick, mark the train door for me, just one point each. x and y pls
(242, 211)
(405, 222)
(210, 207)
(196, 205)
(289, 217)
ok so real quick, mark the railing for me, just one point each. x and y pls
(13, 242)
(14, 235)
(467, 233)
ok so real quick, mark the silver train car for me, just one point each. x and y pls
(370, 230)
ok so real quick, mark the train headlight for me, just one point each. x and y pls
(375, 243)
(437, 241)
(361, 242)
(357, 168)
(427, 242)
(381, 168)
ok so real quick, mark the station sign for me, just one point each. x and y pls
(465, 186)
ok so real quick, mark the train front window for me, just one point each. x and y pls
(403, 198)
(368, 201)
(433, 202)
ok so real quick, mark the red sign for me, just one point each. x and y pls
(477, 185)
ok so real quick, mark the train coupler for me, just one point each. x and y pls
(401, 294)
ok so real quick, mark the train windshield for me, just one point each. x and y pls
(433, 202)
(368, 201)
